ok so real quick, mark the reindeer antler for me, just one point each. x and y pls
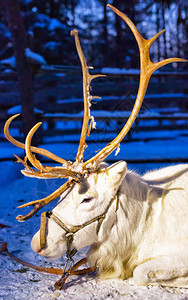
(42, 172)
(147, 68)
(87, 78)
(38, 204)
(68, 168)
(41, 151)
(45, 171)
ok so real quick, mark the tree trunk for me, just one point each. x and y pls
(24, 71)
(73, 5)
(105, 33)
(118, 37)
(178, 32)
(52, 9)
(164, 33)
(158, 29)
(55, 9)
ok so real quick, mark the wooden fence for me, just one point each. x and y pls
(53, 97)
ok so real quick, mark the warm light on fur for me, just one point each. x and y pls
(145, 232)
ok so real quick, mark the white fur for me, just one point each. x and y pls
(144, 233)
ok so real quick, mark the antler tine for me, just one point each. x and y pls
(41, 151)
(38, 204)
(50, 172)
(144, 47)
(35, 162)
(146, 69)
(87, 78)
(44, 171)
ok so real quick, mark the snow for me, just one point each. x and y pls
(118, 71)
(44, 21)
(52, 45)
(106, 114)
(165, 146)
(34, 58)
(153, 145)
(27, 2)
(31, 56)
(4, 31)
(11, 61)
(108, 98)
(18, 110)
(131, 151)
(54, 24)
(166, 95)
(40, 25)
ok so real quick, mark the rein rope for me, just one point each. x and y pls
(59, 284)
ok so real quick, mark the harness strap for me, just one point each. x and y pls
(69, 232)
(43, 230)
(72, 230)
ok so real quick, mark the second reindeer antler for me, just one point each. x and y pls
(147, 67)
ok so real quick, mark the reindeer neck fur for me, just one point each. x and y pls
(122, 229)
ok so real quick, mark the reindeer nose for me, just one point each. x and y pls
(35, 243)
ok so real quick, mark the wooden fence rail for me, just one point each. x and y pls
(178, 121)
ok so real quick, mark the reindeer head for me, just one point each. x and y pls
(80, 212)
(91, 187)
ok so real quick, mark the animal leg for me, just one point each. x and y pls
(169, 270)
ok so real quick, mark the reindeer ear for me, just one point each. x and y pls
(116, 173)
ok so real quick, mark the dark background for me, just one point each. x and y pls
(103, 33)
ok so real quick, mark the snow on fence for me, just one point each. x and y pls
(156, 137)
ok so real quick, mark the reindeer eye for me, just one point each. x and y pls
(87, 200)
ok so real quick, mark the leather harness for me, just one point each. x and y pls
(69, 232)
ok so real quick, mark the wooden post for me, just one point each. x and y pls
(24, 69)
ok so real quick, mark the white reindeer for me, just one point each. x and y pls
(145, 229)
(135, 226)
